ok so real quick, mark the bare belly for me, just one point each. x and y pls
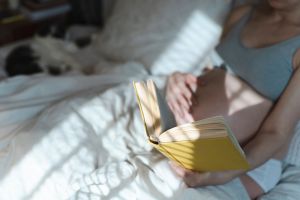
(226, 95)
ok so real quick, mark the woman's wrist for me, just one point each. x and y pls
(263, 147)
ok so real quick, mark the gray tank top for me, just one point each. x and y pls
(268, 69)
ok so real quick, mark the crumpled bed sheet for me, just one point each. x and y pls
(52, 144)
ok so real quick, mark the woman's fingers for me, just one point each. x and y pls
(180, 93)
(180, 103)
(188, 117)
(191, 179)
(187, 86)
(184, 95)
(196, 179)
(175, 107)
(191, 81)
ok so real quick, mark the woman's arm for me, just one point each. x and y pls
(278, 128)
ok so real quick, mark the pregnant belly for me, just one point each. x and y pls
(226, 95)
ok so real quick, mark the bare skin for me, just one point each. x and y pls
(226, 95)
(219, 93)
(268, 125)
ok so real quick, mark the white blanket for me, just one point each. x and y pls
(55, 131)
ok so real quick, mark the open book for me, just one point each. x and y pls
(204, 145)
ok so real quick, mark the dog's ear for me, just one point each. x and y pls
(22, 60)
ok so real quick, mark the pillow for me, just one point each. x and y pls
(166, 35)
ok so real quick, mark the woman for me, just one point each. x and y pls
(261, 47)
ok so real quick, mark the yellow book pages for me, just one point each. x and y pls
(142, 99)
(153, 104)
(154, 111)
(209, 154)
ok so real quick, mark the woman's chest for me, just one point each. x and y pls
(261, 33)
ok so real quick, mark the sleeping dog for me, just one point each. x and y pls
(45, 55)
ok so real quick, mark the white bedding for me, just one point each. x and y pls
(85, 141)
(81, 137)
(70, 126)
(41, 130)
(92, 146)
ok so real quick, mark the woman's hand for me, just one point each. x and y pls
(196, 179)
(180, 95)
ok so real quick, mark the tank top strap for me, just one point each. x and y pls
(238, 27)
(290, 45)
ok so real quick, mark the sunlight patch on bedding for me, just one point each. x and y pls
(110, 182)
(197, 37)
(74, 143)
(45, 162)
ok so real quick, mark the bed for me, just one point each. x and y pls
(81, 137)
